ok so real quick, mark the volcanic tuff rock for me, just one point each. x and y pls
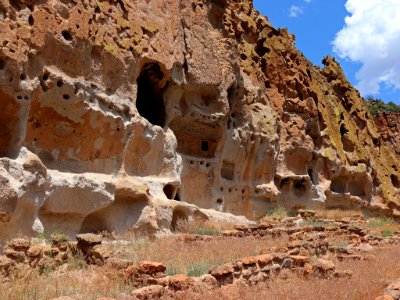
(112, 109)
(388, 124)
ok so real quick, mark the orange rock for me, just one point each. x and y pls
(150, 267)
(308, 269)
(180, 282)
(299, 260)
(149, 292)
(222, 270)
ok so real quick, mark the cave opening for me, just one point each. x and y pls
(395, 181)
(228, 170)
(150, 101)
(169, 191)
(311, 174)
(204, 146)
(339, 185)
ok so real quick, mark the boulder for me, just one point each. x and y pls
(151, 268)
(149, 292)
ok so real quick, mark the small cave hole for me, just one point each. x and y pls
(150, 102)
(260, 49)
(46, 76)
(204, 146)
(228, 170)
(2, 64)
(66, 35)
(66, 97)
(31, 20)
(60, 83)
(23, 76)
(220, 201)
(170, 191)
(395, 181)
(299, 185)
(343, 130)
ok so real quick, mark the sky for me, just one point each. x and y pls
(363, 35)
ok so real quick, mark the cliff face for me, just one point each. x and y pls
(110, 108)
(388, 124)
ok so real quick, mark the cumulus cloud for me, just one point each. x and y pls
(295, 11)
(371, 36)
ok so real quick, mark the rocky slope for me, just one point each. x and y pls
(111, 109)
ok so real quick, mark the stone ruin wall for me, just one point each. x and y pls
(112, 109)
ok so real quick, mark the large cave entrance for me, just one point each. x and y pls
(150, 102)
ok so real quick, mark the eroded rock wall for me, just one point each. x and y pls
(112, 109)
(388, 124)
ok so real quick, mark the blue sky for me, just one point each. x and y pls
(316, 24)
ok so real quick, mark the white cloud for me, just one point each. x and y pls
(295, 11)
(307, 1)
(371, 36)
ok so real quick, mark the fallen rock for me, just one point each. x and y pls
(393, 289)
(223, 274)
(150, 267)
(7, 266)
(299, 261)
(149, 292)
(180, 282)
(87, 241)
(324, 268)
(19, 245)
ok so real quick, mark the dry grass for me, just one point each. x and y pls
(82, 282)
(180, 256)
(383, 226)
(368, 282)
(196, 257)
(90, 283)
(201, 227)
(336, 214)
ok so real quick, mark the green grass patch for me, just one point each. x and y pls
(342, 244)
(171, 271)
(277, 212)
(207, 231)
(387, 233)
(198, 269)
(379, 222)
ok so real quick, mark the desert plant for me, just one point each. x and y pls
(342, 244)
(387, 233)
(279, 212)
(379, 222)
(198, 269)
(171, 271)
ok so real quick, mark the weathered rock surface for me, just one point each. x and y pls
(388, 124)
(111, 110)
